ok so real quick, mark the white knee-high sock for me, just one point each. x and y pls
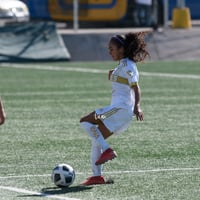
(95, 154)
(95, 134)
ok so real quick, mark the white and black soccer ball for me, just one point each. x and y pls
(63, 175)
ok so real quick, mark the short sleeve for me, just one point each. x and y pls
(132, 74)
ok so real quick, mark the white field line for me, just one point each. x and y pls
(54, 68)
(167, 75)
(51, 93)
(40, 194)
(64, 93)
(24, 191)
(113, 172)
(87, 70)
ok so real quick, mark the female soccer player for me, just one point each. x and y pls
(125, 102)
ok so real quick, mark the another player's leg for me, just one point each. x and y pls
(2, 113)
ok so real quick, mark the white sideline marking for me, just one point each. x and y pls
(55, 68)
(112, 172)
(188, 76)
(101, 71)
(25, 176)
(156, 170)
(19, 190)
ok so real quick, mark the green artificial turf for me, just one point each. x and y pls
(158, 159)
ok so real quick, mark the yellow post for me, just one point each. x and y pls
(181, 18)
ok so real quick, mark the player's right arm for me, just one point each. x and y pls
(2, 113)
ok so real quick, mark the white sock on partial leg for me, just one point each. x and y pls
(95, 134)
(95, 154)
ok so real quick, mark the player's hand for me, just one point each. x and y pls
(139, 114)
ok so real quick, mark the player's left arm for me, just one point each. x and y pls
(137, 109)
(109, 73)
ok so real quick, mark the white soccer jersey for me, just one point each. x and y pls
(123, 77)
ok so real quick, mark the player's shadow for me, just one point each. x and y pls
(63, 190)
(50, 191)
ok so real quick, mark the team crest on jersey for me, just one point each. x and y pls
(130, 73)
(124, 63)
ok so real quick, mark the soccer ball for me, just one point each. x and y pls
(63, 175)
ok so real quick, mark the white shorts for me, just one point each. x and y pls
(114, 118)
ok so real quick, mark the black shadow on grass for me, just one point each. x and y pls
(50, 191)
(63, 190)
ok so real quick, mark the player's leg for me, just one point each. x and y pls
(96, 152)
(111, 120)
(91, 118)
(2, 113)
(97, 177)
(98, 132)
(91, 126)
(115, 120)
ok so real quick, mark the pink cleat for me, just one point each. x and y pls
(94, 180)
(107, 155)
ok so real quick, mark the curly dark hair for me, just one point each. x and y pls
(134, 45)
